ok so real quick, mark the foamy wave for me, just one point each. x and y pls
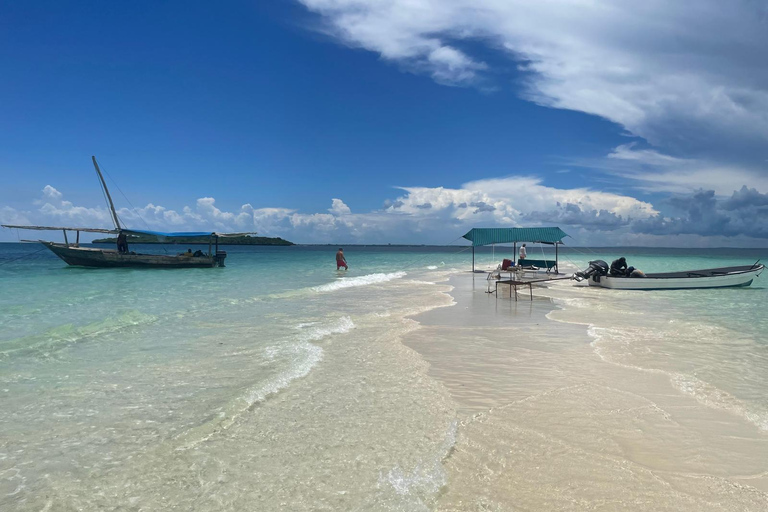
(427, 478)
(716, 398)
(703, 392)
(312, 355)
(594, 333)
(351, 282)
(575, 302)
(306, 356)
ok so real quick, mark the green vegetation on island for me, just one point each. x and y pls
(190, 240)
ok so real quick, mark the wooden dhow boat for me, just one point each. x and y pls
(74, 254)
(597, 274)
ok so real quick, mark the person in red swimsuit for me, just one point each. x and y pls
(341, 261)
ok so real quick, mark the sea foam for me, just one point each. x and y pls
(419, 486)
(352, 282)
(306, 356)
(312, 354)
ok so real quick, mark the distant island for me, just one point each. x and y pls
(230, 240)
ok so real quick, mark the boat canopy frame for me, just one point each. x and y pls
(214, 235)
(491, 236)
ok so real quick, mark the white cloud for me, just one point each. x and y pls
(652, 171)
(418, 214)
(667, 71)
(51, 193)
(339, 208)
(11, 216)
(440, 215)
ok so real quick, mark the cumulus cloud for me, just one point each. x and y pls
(671, 72)
(51, 193)
(339, 208)
(11, 216)
(439, 214)
(62, 212)
(423, 214)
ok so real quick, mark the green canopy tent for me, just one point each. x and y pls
(489, 236)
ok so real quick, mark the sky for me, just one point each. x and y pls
(390, 121)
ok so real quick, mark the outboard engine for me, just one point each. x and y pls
(596, 268)
(219, 258)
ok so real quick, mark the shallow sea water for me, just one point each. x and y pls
(278, 383)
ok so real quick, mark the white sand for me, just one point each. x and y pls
(546, 424)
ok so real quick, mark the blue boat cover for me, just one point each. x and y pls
(177, 234)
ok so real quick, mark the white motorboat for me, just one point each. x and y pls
(725, 277)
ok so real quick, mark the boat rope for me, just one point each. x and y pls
(103, 193)
(23, 256)
(416, 262)
(133, 208)
(582, 252)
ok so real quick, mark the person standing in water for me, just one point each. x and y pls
(523, 254)
(341, 261)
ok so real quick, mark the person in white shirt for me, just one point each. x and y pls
(523, 254)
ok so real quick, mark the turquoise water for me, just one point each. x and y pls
(209, 389)
(713, 344)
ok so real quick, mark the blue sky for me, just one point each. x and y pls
(408, 121)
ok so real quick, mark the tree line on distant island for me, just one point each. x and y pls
(230, 240)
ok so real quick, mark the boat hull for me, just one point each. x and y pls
(106, 258)
(712, 278)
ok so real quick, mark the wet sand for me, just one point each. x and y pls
(546, 424)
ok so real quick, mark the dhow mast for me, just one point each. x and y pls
(106, 191)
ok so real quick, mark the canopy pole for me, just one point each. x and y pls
(557, 269)
(77, 240)
(514, 254)
(473, 258)
(65, 237)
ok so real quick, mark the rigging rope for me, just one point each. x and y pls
(133, 208)
(104, 195)
(23, 256)
(408, 267)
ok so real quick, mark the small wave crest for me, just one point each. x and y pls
(47, 343)
(304, 355)
(351, 282)
(716, 398)
(703, 392)
(417, 488)
(308, 356)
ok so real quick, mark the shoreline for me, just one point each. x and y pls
(546, 422)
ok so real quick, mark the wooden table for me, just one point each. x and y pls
(514, 283)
